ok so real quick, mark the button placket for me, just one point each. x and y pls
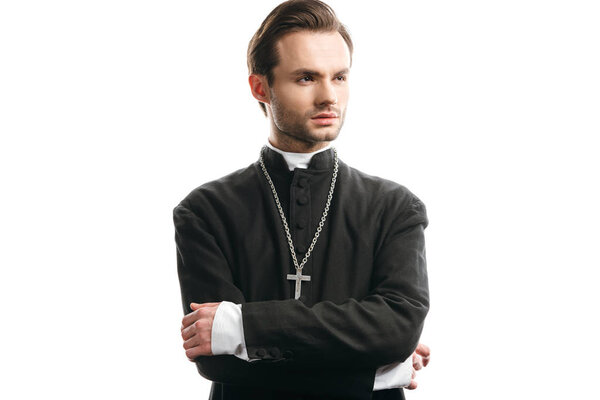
(300, 214)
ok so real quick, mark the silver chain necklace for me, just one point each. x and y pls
(298, 277)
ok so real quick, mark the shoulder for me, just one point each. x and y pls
(235, 187)
(375, 188)
(391, 198)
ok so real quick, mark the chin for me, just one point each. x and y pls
(311, 135)
(323, 133)
(325, 136)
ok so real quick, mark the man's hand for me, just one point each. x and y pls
(196, 329)
(420, 359)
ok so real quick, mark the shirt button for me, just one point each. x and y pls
(288, 354)
(274, 352)
(303, 182)
(300, 249)
(261, 353)
(302, 200)
(301, 223)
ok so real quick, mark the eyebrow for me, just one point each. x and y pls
(305, 71)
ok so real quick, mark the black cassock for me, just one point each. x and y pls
(364, 306)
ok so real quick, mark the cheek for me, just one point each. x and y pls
(295, 96)
(343, 94)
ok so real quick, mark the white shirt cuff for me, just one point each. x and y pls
(394, 375)
(227, 335)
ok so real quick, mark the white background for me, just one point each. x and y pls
(112, 111)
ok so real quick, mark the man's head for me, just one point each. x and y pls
(299, 60)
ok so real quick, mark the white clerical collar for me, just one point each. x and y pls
(296, 160)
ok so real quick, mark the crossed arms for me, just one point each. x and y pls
(352, 339)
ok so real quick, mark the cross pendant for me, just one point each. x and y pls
(298, 277)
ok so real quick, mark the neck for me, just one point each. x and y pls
(292, 145)
(294, 159)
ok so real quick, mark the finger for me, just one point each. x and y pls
(198, 327)
(417, 362)
(425, 361)
(200, 339)
(413, 385)
(197, 351)
(196, 315)
(199, 344)
(413, 375)
(188, 332)
(425, 352)
(189, 319)
(195, 306)
(192, 342)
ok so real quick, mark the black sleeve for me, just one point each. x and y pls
(205, 276)
(379, 329)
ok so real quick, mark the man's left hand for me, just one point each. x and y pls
(196, 329)
(420, 359)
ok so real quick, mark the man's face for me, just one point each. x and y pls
(309, 92)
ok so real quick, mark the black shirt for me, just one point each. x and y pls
(368, 296)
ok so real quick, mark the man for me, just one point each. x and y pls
(302, 278)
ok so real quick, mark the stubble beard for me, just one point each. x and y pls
(293, 126)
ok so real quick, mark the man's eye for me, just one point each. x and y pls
(305, 79)
(341, 78)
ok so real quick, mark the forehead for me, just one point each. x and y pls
(319, 51)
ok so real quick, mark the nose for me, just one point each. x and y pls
(327, 94)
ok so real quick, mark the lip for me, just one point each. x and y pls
(325, 119)
(325, 115)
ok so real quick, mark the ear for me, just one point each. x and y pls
(259, 88)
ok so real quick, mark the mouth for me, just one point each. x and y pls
(326, 118)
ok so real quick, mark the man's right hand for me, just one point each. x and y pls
(196, 329)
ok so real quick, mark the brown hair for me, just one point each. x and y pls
(290, 16)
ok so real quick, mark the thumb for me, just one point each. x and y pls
(196, 306)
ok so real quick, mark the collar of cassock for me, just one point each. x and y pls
(282, 160)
